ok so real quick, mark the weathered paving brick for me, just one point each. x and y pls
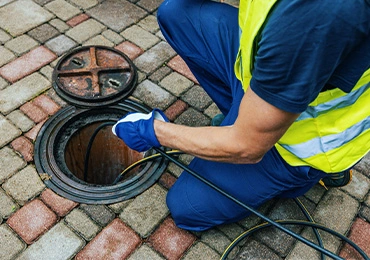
(159, 74)
(27, 64)
(20, 120)
(24, 185)
(34, 112)
(145, 252)
(10, 244)
(130, 49)
(112, 36)
(179, 65)
(98, 40)
(175, 110)
(176, 84)
(32, 134)
(99, 213)
(170, 240)
(149, 23)
(5, 55)
(46, 104)
(7, 131)
(117, 14)
(149, 5)
(23, 146)
(58, 204)
(7, 205)
(216, 240)
(10, 163)
(146, 211)
(257, 250)
(32, 220)
(58, 243)
(60, 25)
(191, 117)
(212, 110)
(359, 186)
(197, 97)
(85, 30)
(140, 37)
(19, 93)
(80, 222)
(21, 16)
(201, 251)
(116, 241)
(154, 57)
(3, 83)
(77, 20)
(21, 44)
(85, 4)
(62, 9)
(43, 32)
(61, 44)
(4, 37)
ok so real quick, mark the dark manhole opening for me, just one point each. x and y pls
(97, 81)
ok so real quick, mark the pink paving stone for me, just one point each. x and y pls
(27, 64)
(77, 20)
(130, 49)
(58, 204)
(170, 240)
(32, 134)
(176, 109)
(46, 104)
(32, 220)
(167, 180)
(116, 241)
(179, 65)
(360, 235)
(24, 147)
(34, 112)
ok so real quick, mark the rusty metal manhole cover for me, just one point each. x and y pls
(94, 76)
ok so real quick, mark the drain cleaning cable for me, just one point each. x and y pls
(269, 222)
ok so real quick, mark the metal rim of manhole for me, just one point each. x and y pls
(92, 76)
(97, 81)
(61, 140)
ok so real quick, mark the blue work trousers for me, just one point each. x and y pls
(206, 35)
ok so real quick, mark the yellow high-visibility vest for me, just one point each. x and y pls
(334, 131)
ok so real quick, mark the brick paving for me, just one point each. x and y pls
(38, 223)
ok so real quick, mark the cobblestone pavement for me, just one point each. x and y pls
(36, 223)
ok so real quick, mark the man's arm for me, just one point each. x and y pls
(258, 127)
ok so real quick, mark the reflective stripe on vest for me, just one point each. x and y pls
(334, 131)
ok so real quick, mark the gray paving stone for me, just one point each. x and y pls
(7, 205)
(85, 30)
(24, 185)
(4, 37)
(197, 97)
(232, 230)
(5, 55)
(145, 252)
(81, 223)
(21, 44)
(112, 36)
(22, 91)
(21, 16)
(159, 74)
(63, 9)
(149, 24)
(146, 211)
(176, 83)
(315, 193)
(99, 40)
(212, 110)
(367, 201)
(60, 25)
(140, 37)
(10, 244)
(191, 117)
(365, 213)
(152, 95)
(216, 240)
(20, 120)
(43, 33)
(10, 163)
(149, 5)
(61, 44)
(364, 165)
(47, 72)
(8, 131)
(4, 2)
(201, 251)
(42, 2)
(358, 187)
(255, 250)
(59, 243)
(99, 213)
(118, 207)
(85, 4)
(154, 57)
(117, 14)
(3, 83)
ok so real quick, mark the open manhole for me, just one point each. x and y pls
(76, 153)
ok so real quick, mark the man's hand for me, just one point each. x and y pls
(137, 130)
